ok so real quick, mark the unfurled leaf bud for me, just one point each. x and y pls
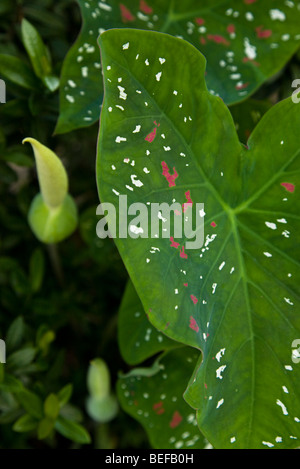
(102, 410)
(52, 175)
(98, 379)
(101, 405)
(53, 213)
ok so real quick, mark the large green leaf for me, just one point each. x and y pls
(245, 42)
(237, 297)
(138, 339)
(155, 399)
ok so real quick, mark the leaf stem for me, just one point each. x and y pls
(56, 263)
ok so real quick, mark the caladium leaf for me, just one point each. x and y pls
(138, 339)
(245, 42)
(156, 401)
(165, 138)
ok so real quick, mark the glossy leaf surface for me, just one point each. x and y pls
(165, 138)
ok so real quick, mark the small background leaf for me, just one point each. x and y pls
(138, 339)
(72, 430)
(245, 43)
(156, 401)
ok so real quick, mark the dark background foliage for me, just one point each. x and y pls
(73, 289)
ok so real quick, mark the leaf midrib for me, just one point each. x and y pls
(244, 278)
(173, 17)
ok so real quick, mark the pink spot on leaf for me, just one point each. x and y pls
(194, 299)
(242, 86)
(176, 419)
(182, 254)
(145, 8)
(193, 325)
(200, 21)
(213, 224)
(218, 39)
(288, 186)
(231, 28)
(248, 59)
(263, 33)
(188, 202)
(150, 137)
(158, 408)
(126, 14)
(174, 244)
(169, 177)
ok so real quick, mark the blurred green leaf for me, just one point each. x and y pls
(11, 384)
(17, 156)
(10, 416)
(44, 339)
(15, 70)
(26, 423)
(36, 269)
(38, 13)
(15, 334)
(19, 282)
(20, 358)
(45, 427)
(51, 82)
(39, 55)
(71, 412)
(51, 406)
(64, 395)
(2, 139)
(1, 372)
(31, 402)
(73, 431)
(7, 175)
